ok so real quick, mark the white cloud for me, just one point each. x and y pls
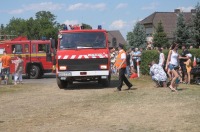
(82, 6)
(71, 22)
(17, 11)
(118, 24)
(151, 6)
(186, 9)
(121, 5)
(37, 7)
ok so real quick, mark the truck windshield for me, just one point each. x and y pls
(83, 40)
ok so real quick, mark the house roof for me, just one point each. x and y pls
(168, 19)
(116, 34)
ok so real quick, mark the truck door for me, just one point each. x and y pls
(48, 53)
(16, 49)
(26, 56)
(44, 56)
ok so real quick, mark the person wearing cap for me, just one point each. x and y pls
(188, 64)
(120, 64)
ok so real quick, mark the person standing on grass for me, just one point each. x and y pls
(183, 58)
(136, 56)
(188, 64)
(120, 64)
(6, 61)
(161, 57)
(173, 63)
(19, 64)
(128, 62)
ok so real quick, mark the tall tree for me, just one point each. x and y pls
(137, 38)
(182, 35)
(47, 26)
(130, 38)
(196, 24)
(32, 29)
(160, 37)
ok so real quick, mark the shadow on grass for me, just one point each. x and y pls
(90, 85)
(181, 89)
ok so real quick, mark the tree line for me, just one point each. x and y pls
(44, 25)
(185, 33)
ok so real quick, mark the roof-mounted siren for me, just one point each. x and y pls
(75, 27)
(99, 27)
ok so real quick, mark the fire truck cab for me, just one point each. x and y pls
(38, 55)
(82, 55)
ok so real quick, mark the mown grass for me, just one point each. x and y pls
(11, 88)
(146, 108)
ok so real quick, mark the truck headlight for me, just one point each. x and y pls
(62, 68)
(103, 67)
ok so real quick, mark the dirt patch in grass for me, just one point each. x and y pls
(87, 107)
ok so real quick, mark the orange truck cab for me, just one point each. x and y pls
(82, 55)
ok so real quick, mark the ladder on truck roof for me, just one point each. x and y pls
(7, 37)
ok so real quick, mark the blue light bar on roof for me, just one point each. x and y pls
(99, 27)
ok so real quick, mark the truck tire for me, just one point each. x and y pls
(61, 83)
(34, 72)
(106, 82)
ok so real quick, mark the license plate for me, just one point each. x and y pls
(103, 77)
(63, 78)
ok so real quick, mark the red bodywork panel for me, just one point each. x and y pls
(30, 52)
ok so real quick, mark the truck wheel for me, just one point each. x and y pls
(106, 82)
(34, 72)
(61, 84)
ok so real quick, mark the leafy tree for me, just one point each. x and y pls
(32, 30)
(16, 26)
(196, 24)
(86, 26)
(182, 31)
(46, 24)
(130, 38)
(137, 38)
(160, 37)
(2, 31)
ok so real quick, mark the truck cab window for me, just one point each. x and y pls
(33, 48)
(42, 48)
(26, 48)
(17, 49)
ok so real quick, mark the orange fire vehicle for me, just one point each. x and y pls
(38, 55)
(82, 55)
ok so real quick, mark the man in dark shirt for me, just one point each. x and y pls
(183, 59)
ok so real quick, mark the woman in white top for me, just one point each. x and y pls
(172, 64)
(161, 57)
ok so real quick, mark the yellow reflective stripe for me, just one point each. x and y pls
(24, 55)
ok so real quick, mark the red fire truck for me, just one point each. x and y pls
(38, 55)
(82, 55)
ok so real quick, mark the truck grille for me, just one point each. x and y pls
(83, 64)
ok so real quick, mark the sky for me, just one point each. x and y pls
(111, 14)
